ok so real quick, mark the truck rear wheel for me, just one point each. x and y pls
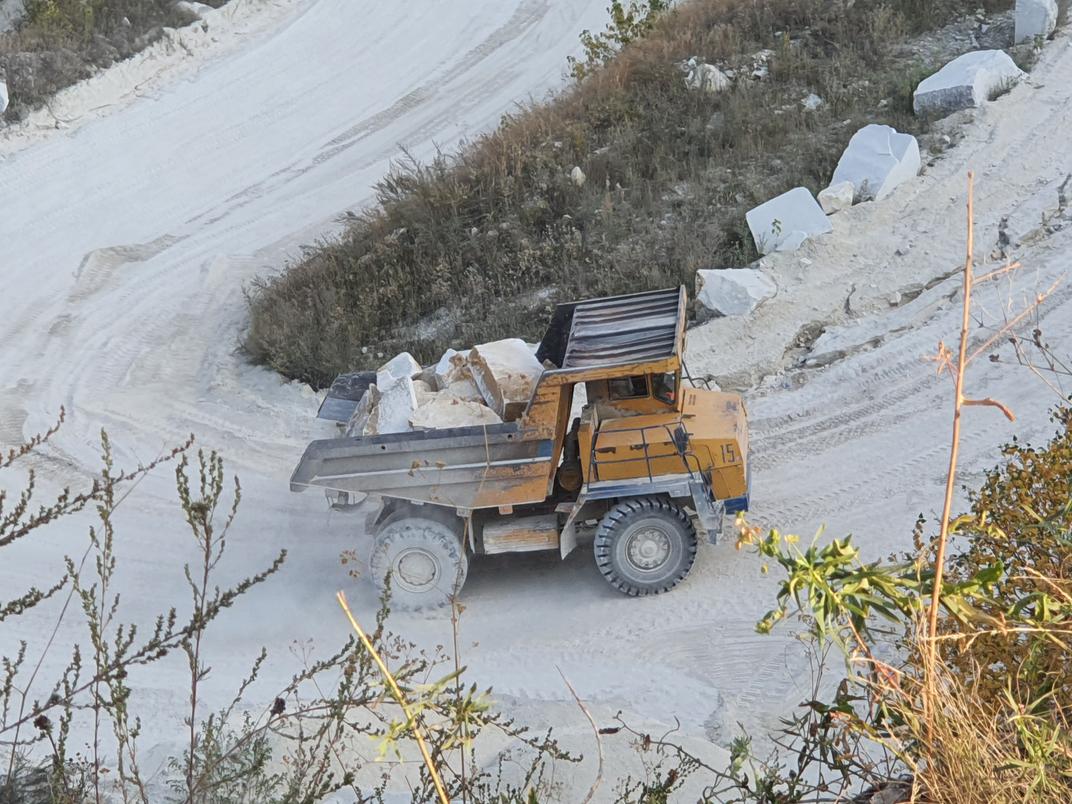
(425, 559)
(645, 546)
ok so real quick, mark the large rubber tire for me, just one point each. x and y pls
(425, 558)
(645, 546)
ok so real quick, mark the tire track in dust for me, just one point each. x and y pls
(529, 14)
(526, 16)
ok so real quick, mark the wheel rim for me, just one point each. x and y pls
(648, 549)
(416, 570)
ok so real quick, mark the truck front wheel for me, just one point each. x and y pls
(645, 546)
(424, 558)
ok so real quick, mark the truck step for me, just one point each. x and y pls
(521, 535)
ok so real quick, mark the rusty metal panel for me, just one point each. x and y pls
(521, 535)
(466, 467)
(640, 327)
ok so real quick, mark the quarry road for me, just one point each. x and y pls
(130, 231)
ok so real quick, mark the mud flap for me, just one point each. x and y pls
(567, 540)
(709, 511)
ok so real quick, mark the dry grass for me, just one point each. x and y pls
(975, 746)
(479, 245)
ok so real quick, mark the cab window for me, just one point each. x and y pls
(628, 387)
(663, 387)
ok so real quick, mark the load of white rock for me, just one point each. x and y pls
(488, 384)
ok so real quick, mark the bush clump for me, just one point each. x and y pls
(60, 42)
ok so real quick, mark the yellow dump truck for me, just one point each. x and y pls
(650, 461)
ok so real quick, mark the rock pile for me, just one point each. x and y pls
(488, 384)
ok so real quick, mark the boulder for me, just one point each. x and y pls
(1035, 18)
(423, 390)
(837, 197)
(967, 81)
(396, 405)
(442, 411)
(359, 419)
(463, 389)
(877, 159)
(506, 372)
(399, 367)
(452, 367)
(3, 97)
(706, 77)
(196, 10)
(732, 291)
(785, 222)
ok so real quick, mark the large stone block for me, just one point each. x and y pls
(1035, 18)
(452, 367)
(732, 291)
(785, 222)
(876, 160)
(396, 405)
(967, 81)
(443, 411)
(362, 415)
(398, 367)
(464, 389)
(506, 373)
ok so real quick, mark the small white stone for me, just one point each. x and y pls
(760, 69)
(812, 103)
(837, 197)
(3, 97)
(707, 78)
(577, 176)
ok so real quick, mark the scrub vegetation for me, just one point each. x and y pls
(479, 244)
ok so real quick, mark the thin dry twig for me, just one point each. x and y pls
(958, 402)
(595, 730)
(411, 719)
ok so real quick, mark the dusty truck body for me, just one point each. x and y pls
(650, 461)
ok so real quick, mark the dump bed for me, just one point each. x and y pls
(462, 467)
